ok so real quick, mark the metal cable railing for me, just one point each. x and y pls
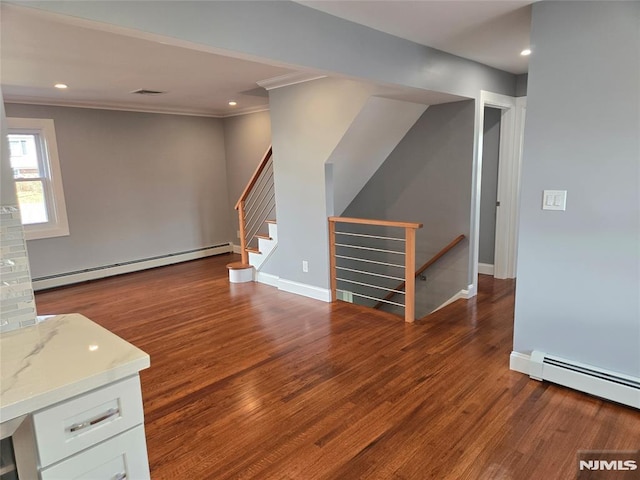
(364, 256)
(256, 205)
(259, 205)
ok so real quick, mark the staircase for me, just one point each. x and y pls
(258, 232)
(266, 245)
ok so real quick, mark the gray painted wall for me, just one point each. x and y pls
(521, 85)
(136, 185)
(290, 33)
(427, 179)
(307, 122)
(246, 139)
(489, 192)
(372, 136)
(578, 293)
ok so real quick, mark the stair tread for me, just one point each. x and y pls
(238, 266)
(264, 237)
(270, 221)
(252, 250)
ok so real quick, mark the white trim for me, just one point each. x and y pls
(236, 248)
(267, 279)
(128, 268)
(461, 294)
(24, 100)
(305, 290)
(289, 79)
(245, 111)
(58, 224)
(516, 179)
(508, 186)
(485, 269)
(519, 362)
(509, 189)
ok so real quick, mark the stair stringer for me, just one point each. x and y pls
(266, 248)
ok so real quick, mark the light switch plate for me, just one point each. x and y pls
(554, 200)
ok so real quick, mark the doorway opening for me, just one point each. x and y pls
(506, 192)
(489, 203)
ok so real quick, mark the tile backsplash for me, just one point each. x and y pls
(17, 303)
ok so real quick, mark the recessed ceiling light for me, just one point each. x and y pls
(232, 103)
(526, 52)
(61, 86)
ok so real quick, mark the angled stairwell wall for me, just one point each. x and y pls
(372, 136)
(427, 178)
(326, 120)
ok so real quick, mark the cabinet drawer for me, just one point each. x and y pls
(72, 426)
(120, 458)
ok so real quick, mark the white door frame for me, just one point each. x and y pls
(511, 129)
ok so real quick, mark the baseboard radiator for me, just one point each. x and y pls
(68, 278)
(602, 383)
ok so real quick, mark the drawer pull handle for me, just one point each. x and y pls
(120, 476)
(89, 423)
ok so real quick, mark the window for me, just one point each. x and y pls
(36, 171)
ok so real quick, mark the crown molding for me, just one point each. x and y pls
(129, 108)
(289, 79)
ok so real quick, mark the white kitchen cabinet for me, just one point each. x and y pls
(123, 457)
(94, 436)
(71, 402)
(74, 425)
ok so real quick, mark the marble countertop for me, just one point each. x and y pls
(58, 358)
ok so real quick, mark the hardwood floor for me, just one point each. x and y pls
(249, 382)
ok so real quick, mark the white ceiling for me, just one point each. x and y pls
(493, 32)
(102, 67)
(38, 50)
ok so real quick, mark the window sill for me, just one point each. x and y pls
(42, 233)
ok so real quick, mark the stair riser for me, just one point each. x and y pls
(265, 246)
(273, 231)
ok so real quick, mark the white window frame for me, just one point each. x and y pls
(58, 224)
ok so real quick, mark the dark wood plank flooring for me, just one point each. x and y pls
(247, 382)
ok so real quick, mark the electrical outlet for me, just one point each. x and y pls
(305, 266)
(238, 234)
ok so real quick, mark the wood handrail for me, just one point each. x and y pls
(254, 178)
(382, 223)
(421, 270)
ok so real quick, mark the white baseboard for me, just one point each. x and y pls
(305, 290)
(236, 248)
(268, 279)
(290, 286)
(519, 362)
(127, 268)
(457, 296)
(472, 290)
(485, 269)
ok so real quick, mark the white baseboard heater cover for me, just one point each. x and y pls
(614, 386)
(94, 273)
